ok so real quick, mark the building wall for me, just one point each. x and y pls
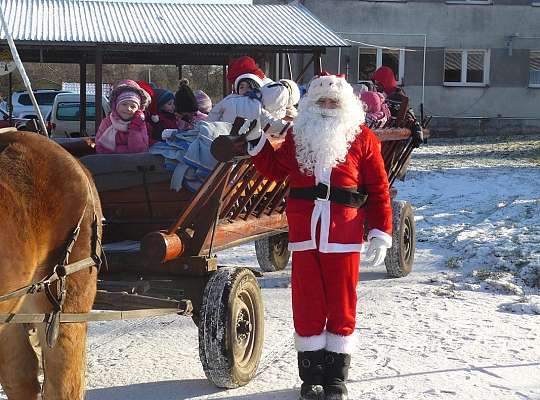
(506, 101)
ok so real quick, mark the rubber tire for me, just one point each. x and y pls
(400, 257)
(217, 327)
(272, 253)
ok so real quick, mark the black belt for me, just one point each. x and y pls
(355, 198)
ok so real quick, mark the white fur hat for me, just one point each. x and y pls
(253, 77)
(294, 91)
(275, 98)
(266, 80)
(331, 86)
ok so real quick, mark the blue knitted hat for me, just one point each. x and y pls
(162, 97)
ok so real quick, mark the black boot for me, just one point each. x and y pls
(336, 372)
(311, 371)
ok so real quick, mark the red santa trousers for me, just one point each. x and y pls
(324, 297)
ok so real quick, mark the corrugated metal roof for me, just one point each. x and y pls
(160, 23)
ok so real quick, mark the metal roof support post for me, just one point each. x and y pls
(180, 72)
(99, 87)
(277, 71)
(22, 71)
(82, 97)
(289, 65)
(225, 82)
(10, 98)
(317, 63)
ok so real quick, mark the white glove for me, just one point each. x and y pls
(376, 249)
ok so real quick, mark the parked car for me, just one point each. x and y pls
(22, 104)
(18, 123)
(65, 114)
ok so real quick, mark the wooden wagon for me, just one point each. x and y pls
(160, 244)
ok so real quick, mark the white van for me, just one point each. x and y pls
(23, 107)
(64, 119)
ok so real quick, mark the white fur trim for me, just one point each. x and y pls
(385, 237)
(310, 343)
(254, 150)
(244, 76)
(155, 118)
(340, 344)
(301, 246)
(266, 80)
(330, 86)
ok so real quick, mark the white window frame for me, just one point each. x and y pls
(533, 85)
(378, 62)
(464, 54)
(473, 2)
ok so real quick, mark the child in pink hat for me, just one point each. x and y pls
(377, 112)
(124, 129)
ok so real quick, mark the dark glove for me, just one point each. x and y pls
(417, 134)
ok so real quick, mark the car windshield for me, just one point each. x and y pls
(71, 111)
(42, 98)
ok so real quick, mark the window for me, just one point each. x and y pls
(466, 67)
(469, 1)
(369, 59)
(534, 69)
(71, 111)
(41, 98)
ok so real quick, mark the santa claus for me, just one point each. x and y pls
(337, 179)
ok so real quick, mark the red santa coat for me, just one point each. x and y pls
(341, 227)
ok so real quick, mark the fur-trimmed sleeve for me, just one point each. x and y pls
(273, 163)
(375, 182)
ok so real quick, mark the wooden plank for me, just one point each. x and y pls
(389, 134)
(240, 186)
(248, 195)
(139, 210)
(157, 192)
(229, 232)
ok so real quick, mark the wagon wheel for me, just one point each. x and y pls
(231, 328)
(399, 259)
(272, 252)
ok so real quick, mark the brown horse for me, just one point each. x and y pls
(44, 193)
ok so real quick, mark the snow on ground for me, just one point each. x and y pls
(463, 325)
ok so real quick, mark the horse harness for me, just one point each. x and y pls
(59, 273)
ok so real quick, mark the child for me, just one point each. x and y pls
(241, 103)
(203, 101)
(377, 112)
(164, 116)
(124, 129)
(294, 98)
(187, 108)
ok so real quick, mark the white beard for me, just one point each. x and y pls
(323, 136)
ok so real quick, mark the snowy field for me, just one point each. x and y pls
(465, 324)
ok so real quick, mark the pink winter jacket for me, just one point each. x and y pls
(117, 136)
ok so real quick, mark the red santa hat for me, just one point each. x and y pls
(152, 108)
(330, 86)
(244, 68)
